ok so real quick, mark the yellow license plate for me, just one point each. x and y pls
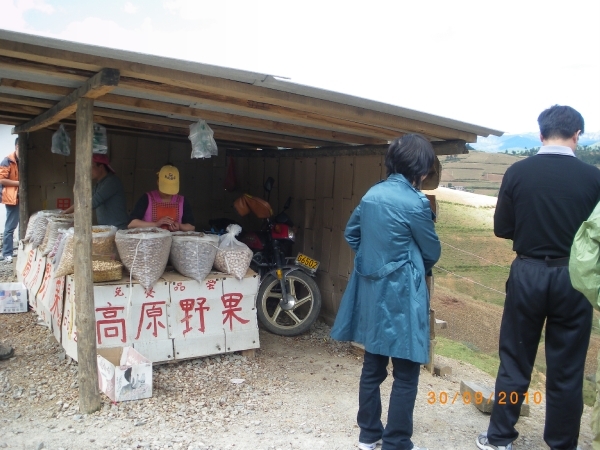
(305, 261)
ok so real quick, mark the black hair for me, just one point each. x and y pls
(410, 155)
(16, 141)
(560, 122)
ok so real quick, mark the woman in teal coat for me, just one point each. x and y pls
(386, 304)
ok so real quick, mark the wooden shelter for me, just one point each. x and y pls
(324, 149)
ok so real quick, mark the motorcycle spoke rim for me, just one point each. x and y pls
(276, 314)
(294, 317)
(301, 302)
(291, 318)
(292, 287)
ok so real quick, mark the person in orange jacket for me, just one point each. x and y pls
(9, 189)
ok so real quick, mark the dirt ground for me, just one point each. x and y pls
(298, 393)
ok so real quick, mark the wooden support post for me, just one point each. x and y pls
(89, 395)
(23, 180)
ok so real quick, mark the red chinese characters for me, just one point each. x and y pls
(231, 302)
(56, 309)
(150, 293)
(110, 324)
(27, 268)
(37, 274)
(119, 292)
(47, 275)
(153, 312)
(187, 305)
(210, 284)
(179, 287)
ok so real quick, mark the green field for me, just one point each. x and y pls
(469, 290)
(470, 250)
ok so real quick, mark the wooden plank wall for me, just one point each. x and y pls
(324, 192)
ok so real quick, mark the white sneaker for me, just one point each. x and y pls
(363, 446)
(7, 259)
(483, 443)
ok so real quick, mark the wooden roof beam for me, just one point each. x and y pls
(98, 85)
(440, 148)
(177, 126)
(82, 61)
(388, 126)
(212, 117)
(309, 125)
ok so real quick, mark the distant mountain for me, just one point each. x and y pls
(495, 144)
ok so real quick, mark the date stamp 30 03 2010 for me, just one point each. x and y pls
(502, 398)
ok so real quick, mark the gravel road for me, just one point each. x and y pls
(298, 393)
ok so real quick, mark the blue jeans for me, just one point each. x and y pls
(12, 220)
(399, 429)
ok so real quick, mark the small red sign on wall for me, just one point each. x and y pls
(63, 203)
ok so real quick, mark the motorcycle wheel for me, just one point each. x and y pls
(297, 320)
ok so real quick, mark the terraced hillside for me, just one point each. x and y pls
(478, 172)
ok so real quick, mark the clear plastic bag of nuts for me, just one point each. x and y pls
(144, 252)
(193, 253)
(103, 243)
(233, 257)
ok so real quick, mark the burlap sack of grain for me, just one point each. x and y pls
(55, 224)
(64, 255)
(103, 243)
(36, 228)
(233, 257)
(193, 254)
(144, 252)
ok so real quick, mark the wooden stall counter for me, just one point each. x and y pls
(178, 318)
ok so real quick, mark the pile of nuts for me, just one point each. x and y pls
(234, 262)
(65, 264)
(54, 225)
(193, 254)
(144, 252)
(103, 242)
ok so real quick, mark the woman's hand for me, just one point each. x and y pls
(168, 221)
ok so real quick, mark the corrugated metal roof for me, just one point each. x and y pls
(167, 95)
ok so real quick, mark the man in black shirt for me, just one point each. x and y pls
(541, 204)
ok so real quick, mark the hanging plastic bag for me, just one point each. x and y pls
(99, 141)
(233, 257)
(61, 142)
(203, 143)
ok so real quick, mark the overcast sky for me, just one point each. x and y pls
(492, 63)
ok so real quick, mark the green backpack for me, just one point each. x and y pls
(584, 264)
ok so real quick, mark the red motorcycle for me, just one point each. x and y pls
(288, 300)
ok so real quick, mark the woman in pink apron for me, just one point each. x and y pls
(164, 207)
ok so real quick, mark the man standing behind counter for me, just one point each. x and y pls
(108, 195)
(164, 207)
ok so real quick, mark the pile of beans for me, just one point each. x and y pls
(234, 262)
(144, 252)
(193, 254)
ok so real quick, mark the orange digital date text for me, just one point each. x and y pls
(502, 398)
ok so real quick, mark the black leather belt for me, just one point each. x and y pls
(550, 262)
